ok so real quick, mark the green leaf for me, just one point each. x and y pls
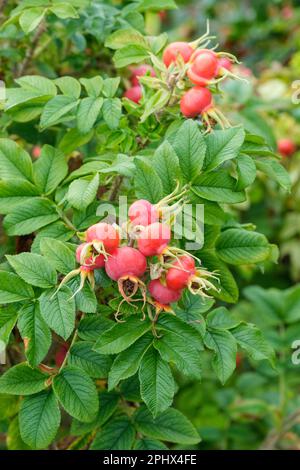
(14, 161)
(219, 187)
(22, 380)
(14, 192)
(13, 289)
(246, 171)
(239, 246)
(122, 335)
(92, 326)
(58, 109)
(94, 364)
(170, 426)
(222, 146)
(149, 444)
(50, 169)
(86, 300)
(112, 112)
(148, 185)
(125, 37)
(108, 404)
(58, 311)
(130, 54)
(117, 434)
(93, 85)
(57, 231)
(69, 86)
(221, 318)
(35, 83)
(39, 419)
(157, 5)
(64, 10)
(179, 327)
(35, 334)
(273, 169)
(76, 393)
(110, 86)
(8, 319)
(30, 216)
(172, 348)
(87, 113)
(127, 362)
(155, 103)
(250, 338)
(33, 269)
(166, 164)
(58, 254)
(157, 383)
(269, 304)
(73, 140)
(122, 164)
(82, 192)
(224, 345)
(190, 148)
(31, 18)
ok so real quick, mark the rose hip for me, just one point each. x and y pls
(181, 272)
(154, 239)
(163, 294)
(142, 212)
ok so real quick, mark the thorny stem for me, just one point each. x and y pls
(30, 52)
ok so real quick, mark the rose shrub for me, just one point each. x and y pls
(101, 320)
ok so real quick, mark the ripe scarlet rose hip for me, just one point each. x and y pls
(196, 101)
(140, 72)
(142, 212)
(286, 147)
(105, 233)
(163, 294)
(134, 94)
(204, 68)
(125, 261)
(179, 275)
(154, 239)
(176, 49)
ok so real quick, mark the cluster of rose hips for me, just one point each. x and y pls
(147, 265)
(203, 67)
